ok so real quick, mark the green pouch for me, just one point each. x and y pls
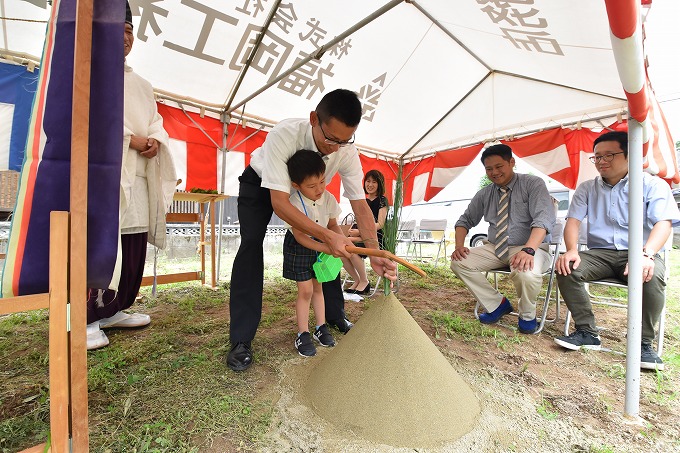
(327, 268)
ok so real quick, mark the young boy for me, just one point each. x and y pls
(307, 174)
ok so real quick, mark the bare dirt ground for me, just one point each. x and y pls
(535, 396)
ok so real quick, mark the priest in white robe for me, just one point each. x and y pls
(147, 185)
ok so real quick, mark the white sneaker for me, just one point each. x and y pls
(96, 338)
(125, 320)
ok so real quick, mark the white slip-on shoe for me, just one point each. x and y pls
(352, 297)
(92, 328)
(96, 338)
(125, 320)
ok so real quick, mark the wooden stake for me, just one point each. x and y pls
(201, 244)
(78, 238)
(59, 382)
(213, 282)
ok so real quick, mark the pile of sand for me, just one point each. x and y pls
(404, 392)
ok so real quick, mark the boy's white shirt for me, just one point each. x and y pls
(319, 211)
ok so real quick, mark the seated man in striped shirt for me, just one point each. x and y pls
(521, 216)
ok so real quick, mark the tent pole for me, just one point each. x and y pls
(320, 51)
(223, 151)
(253, 52)
(635, 244)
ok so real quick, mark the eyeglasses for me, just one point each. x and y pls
(330, 141)
(606, 157)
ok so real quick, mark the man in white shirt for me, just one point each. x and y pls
(265, 187)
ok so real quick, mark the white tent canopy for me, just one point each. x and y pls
(431, 76)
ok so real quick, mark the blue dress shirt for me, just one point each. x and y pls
(606, 208)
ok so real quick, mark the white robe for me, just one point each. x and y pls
(147, 186)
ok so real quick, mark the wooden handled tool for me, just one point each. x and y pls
(385, 254)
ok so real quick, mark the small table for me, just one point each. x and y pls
(201, 199)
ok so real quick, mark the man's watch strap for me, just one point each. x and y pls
(648, 254)
(529, 251)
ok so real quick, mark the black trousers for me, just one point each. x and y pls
(247, 274)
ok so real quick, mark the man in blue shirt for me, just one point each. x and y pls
(604, 201)
(521, 216)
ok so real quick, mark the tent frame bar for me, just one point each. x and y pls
(250, 58)
(164, 96)
(450, 35)
(455, 106)
(597, 119)
(320, 51)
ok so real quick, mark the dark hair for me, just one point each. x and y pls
(614, 136)
(343, 105)
(303, 164)
(504, 151)
(379, 178)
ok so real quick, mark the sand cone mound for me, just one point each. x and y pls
(388, 383)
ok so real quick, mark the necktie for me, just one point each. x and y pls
(501, 248)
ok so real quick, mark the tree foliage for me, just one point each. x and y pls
(484, 181)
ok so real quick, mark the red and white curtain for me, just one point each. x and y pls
(558, 153)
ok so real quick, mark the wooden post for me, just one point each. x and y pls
(202, 200)
(202, 242)
(58, 333)
(212, 242)
(78, 239)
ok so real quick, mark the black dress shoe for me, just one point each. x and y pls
(350, 291)
(364, 291)
(240, 356)
(343, 325)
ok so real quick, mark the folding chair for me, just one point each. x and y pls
(616, 283)
(553, 249)
(405, 236)
(430, 232)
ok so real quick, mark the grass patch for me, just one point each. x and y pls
(664, 392)
(168, 391)
(547, 410)
(437, 276)
(160, 389)
(617, 371)
(452, 325)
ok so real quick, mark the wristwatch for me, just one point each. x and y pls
(529, 251)
(648, 253)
